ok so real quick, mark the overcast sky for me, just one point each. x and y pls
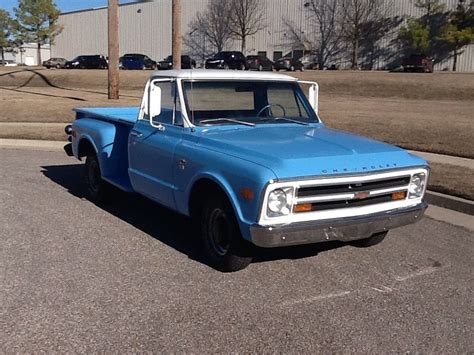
(64, 5)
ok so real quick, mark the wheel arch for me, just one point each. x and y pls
(85, 147)
(204, 187)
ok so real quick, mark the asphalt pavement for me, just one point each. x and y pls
(77, 277)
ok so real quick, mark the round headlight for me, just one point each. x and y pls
(416, 186)
(277, 200)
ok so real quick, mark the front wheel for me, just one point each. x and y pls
(222, 241)
(371, 241)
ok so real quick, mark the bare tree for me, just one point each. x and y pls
(210, 30)
(355, 17)
(247, 18)
(324, 15)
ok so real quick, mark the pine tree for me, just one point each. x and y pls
(459, 31)
(6, 30)
(36, 21)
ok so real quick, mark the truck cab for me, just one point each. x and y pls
(246, 155)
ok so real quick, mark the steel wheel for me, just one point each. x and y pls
(219, 232)
(221, 239)
(93, 177)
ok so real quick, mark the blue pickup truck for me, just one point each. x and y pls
(247, 157)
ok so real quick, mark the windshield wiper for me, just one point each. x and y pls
(228, 120)
(284, 119)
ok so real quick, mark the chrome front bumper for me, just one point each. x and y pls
(346, 229)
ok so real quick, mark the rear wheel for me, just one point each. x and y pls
(99, 190)
(371, 241)
(223, 244)
(292, 68)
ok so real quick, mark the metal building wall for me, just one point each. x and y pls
(146, 28)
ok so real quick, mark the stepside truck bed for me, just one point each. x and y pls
(107, 131)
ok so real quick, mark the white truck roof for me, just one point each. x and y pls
(209, 74)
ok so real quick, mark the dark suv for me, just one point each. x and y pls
(186, 62)
(226, 60)
(57, 63)
(87, 62)
(137, 61)
(418, 63)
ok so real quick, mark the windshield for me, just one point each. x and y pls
(255, 102)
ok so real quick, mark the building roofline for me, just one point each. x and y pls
(101, 7)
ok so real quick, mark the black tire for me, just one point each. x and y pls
(260, 68)
(99, 191)
(302, 68)
(58, 66)
(242, 67)
(277, 69)
(226, 66)
(371, 241)
(292, 68)
(223, 244)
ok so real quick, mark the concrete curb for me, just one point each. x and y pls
(50, 146)
(450, 202)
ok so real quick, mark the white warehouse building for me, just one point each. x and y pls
(145, 27)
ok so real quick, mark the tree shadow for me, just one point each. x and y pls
(36, 73)
(164, 225)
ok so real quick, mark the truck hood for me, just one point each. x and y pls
(302, 151)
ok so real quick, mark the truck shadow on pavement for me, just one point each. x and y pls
(162, 224)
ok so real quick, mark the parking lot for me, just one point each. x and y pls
(129, 277)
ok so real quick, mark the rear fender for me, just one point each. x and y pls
(109, 142)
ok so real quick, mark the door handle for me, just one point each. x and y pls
(136, 134)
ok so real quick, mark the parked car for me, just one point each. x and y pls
(137, 61)
(259, 63)
(418, 63)
(8, 63)
(57, 63)
(186, 63)
(87, 62)
(248, 158)
(310, 61)
(288, 63)
(226, 60)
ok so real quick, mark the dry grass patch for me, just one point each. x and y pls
(452, 180)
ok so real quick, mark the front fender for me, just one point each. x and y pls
(232, 175)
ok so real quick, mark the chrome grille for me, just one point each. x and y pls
(352, 194)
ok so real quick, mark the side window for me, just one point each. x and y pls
(169, 102)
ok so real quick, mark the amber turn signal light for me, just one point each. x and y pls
(247, 194)
(304, 207)
(400, 195)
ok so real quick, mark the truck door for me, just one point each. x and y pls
(152, 145)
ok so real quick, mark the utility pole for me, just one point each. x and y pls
(176, 34)
(113, 76)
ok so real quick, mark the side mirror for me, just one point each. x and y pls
(154, 105)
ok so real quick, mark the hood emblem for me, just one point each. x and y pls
(361, 195)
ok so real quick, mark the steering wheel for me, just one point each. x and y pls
(270, 105)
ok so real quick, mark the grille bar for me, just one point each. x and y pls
(397, 182)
